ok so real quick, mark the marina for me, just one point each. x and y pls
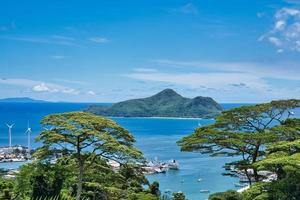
(152, 167)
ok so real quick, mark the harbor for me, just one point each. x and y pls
(153, 167)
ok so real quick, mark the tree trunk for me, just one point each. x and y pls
(249, 178)
(255, 156)
(80, 175)
(79, 184)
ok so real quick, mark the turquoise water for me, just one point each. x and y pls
(155, 137)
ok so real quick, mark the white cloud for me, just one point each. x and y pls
(70, 91)
(286, 31)
(39, 86)
(228, 81)
(279, 25)
(99, 40)
(209, 80)
(91, 93)
(275, 41)
(42, 87)
(273, 70)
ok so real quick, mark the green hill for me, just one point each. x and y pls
(166, 103)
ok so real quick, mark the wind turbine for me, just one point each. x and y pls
(9, 133)
(28, 132)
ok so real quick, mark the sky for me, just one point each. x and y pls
(235, 51)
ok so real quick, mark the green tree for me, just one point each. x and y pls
(154, 188)
(85, 137)
(283, 158)
(228, 195)
(41, 179)
(242, 131)
(6, 189)
(178, 196)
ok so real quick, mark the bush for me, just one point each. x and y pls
(228, 195)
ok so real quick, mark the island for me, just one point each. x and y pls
(21, 100)
(166, 103)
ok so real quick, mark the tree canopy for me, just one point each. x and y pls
(243, 131)
(85, 137)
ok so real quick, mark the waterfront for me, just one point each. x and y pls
(156, 137)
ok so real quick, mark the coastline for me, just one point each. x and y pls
(175, 118)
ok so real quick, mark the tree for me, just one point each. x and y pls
(43, 179)
(154, 188)
(178, 196)
(6, 189)
(85, 137)
(283, 158)
(242, 131)
(228, 195)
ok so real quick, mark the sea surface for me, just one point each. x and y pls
(156, 137)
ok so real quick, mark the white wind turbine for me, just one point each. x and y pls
(28, 132)
(9, 132)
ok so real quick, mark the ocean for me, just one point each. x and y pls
(156, 137)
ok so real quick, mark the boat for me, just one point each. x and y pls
(199, 179)
(204, 191)
(173, 164)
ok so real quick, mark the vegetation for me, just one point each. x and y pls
(83, 137)
(265, 137)
(72, 163)
(244, 132)
(229, 195)
(164, 104)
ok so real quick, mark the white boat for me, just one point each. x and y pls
(173, 164)
(204, 191)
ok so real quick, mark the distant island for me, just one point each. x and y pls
(166, 103)
(21, 100)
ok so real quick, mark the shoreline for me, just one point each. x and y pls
(175, 118)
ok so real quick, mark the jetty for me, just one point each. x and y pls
(154, 167)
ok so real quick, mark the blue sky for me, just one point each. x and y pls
(107, 51)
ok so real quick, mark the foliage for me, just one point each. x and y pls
(228, 195)
(167, 103)
(242, 131)
(154, 188)
(282, 159)
(178, 196)
(143, 196)
(42, 179)
(85, 137)
(6, 189)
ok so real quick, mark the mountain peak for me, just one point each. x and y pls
(167, 93)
